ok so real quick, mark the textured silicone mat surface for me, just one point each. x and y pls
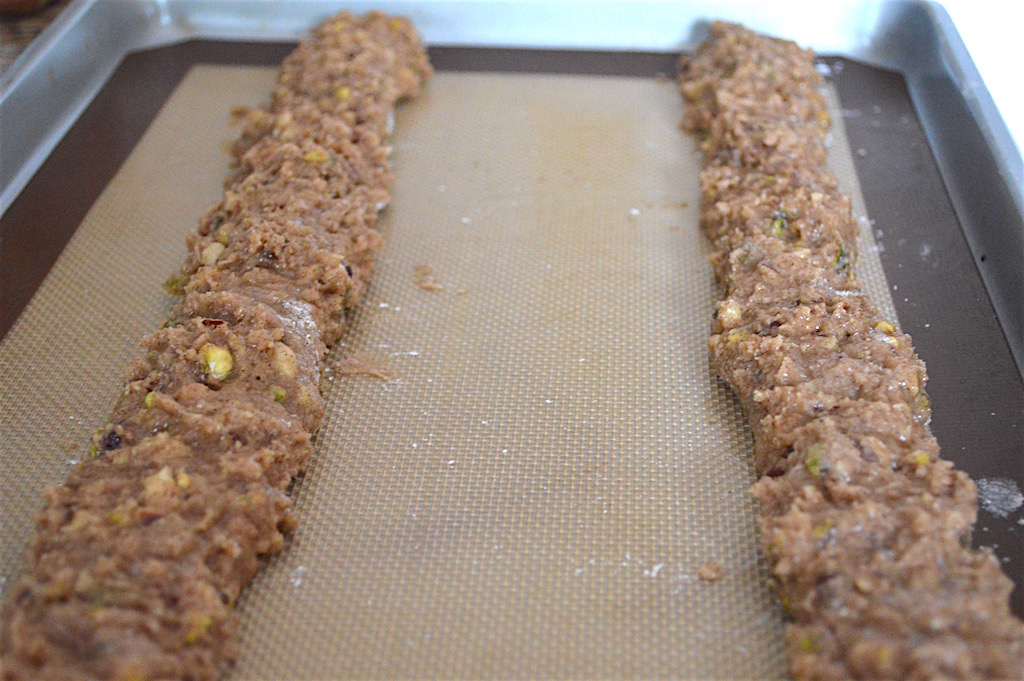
(533, 490)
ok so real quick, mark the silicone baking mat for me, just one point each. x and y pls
(544, 466)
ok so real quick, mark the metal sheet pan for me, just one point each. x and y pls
(979, 179)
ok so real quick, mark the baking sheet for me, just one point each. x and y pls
(979, 421)
(535, 488)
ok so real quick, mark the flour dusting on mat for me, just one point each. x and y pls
(999, 496)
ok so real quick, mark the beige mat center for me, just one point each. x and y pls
(535, 490)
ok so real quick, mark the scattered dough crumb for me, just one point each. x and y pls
(362, 364)
(710, 571)
(238, 114)
(426, 279)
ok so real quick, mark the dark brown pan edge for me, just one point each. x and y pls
(977, 393)
(43, 217)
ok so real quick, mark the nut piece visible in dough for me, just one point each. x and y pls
(217, 362)
(285, 361)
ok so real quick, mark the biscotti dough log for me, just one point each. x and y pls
(297, 216)
(139, 557)
(864, 526)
